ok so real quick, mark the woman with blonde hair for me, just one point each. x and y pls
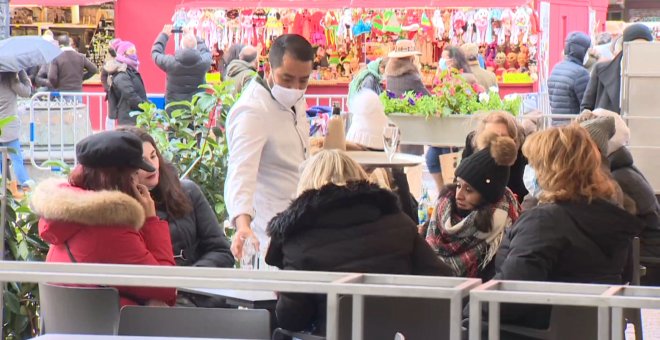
(504, 124)
(341, 222)
(577, 234)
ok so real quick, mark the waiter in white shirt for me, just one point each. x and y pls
(268, 137)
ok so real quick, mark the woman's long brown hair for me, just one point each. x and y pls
(168, 193)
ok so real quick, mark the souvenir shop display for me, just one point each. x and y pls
(508, 37)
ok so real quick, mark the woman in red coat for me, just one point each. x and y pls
(102, 216)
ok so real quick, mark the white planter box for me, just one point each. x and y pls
(436, 131)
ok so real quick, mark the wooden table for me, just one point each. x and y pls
(252, 299)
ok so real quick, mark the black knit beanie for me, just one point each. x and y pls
(637, 31)
(487, 170)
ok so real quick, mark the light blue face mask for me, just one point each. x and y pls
(442, 64)
(530, 181)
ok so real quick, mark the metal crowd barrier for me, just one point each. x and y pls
(606, 298)
(332, 284)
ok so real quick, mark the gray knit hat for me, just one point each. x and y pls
(600, 129)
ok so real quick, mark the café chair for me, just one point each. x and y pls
(78, 310)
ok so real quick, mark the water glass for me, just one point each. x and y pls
(390, 140)
(250, 258)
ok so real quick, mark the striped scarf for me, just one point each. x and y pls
(457, 240)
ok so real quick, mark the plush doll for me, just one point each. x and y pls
(512, 62)
(411, 23)
(363, 26)
(482, 23)
(469, 35)
(346, 24)
(491, 53)
(219, 22)
(496, 24)
(446, 19)
(427, 27)
(520, 28)
(233, 27)
(331, 25)
(194, 18)
(458, 24)
(247, 28)
(318, 32)
(274, 27)
(259, 18)
(438, 24)
(505, 30)
(392, 24)
(500, 65)
(206, 29)
(523, 62)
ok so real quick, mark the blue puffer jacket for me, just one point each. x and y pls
(569, 78)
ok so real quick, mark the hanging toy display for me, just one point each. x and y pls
(274, 27)
(247, 27)
(411, 24)
(318, 33)
(470, 31)
(426, 29)
(345, 31)
(179, 20)
(259, 22)
(505, 31)
(438, 24)
(218, 34)
(521, 25)
(233, 27)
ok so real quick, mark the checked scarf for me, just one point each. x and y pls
(457, 240)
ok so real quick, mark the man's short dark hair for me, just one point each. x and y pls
(64, 40)
(294, 45)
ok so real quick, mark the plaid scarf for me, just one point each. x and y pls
(458, 241)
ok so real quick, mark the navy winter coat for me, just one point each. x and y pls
(569, 78)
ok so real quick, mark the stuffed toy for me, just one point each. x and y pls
(392, 24)
(491, 53)
(318, 32)
(520, 28)
(233, 27)
(247, 27)
(345, 31)
(259, 18)
(500, 65)
(330, 25)
(438, 24)
(218, 34)
(459, 21)
(482, 23)
(512, 61)
(446, 19)
(206, 29)
(470, 29)
(427, 27)
(194, 18)
(411, 24)
(363, 26)
(505, 30)
(496, 24)
(274, 27)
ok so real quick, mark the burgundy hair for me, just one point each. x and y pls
(97, 179)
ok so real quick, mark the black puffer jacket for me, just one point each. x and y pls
(569, 78)
(604, 89)
(566, 242)
(186, 69)
(197, 238)
(126, 93)
(356, 228)
(634, 185)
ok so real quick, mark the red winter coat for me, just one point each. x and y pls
(103, 227)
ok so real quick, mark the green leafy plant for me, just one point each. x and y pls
(452, 95)
(191, 135)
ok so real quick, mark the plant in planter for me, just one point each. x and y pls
(190, 134)
(446, 116)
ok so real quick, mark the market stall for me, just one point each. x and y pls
(355, 32)
(89, 23)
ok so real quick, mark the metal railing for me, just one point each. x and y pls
(606, 298)
(332, 284)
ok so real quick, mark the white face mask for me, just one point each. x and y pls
(286, 96)
(530, 181)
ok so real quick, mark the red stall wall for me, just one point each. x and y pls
(140, 22)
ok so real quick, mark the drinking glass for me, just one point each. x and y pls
(250, 258)
(390, 140)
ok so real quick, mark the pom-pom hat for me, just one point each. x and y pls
(487, 170)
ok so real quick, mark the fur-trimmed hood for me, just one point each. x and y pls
(400, 66)
(310, 208)
(65, 209)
